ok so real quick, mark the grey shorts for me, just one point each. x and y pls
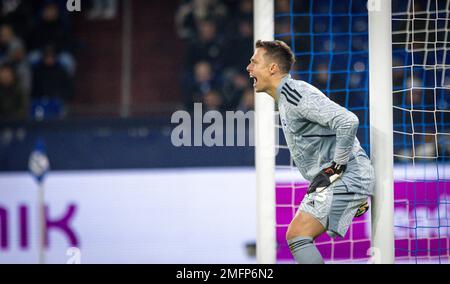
(334, 207)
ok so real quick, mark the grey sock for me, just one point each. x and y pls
(304, 251)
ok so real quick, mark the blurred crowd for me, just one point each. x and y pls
(218, 36)
(37, 64)
(219, 43)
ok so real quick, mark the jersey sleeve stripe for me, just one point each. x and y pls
(293, 97)
(293, 90)
(289, 100)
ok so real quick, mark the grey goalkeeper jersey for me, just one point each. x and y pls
(319, 131)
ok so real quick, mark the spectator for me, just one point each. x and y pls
(212, 100)
(203, 82)
(247, 102)
(416, 95)
(283, 6)
(13, 102)
(17, 59)
(240, 47)
(283, 30)
(8, 43)
(241, 11)
(52, 30)
(19, 14)
(321, 76)
(192, 12)
(207, 47)
(50, 79)
(13, 52)
(203, 78)
(203, 61)
(246, 9)
(235, 84)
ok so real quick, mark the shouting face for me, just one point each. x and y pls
(259, 70)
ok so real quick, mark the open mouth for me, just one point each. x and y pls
(254, 79)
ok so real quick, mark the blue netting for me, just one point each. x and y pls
(421, 100)
(330, 41)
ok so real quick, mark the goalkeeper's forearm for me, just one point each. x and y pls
(345, 138)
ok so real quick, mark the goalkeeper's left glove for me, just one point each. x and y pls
(326, 177)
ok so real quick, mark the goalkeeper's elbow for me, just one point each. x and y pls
(349, 123)
(353, 120)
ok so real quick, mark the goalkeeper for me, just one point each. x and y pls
(321, 136)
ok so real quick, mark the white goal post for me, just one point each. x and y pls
(264, 29)
(381, 129)
(381, 132)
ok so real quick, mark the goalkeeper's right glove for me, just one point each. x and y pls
(326, 177)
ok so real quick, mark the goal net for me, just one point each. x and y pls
(421, 97)
(330, 42)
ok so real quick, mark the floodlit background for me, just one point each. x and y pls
(94, 92)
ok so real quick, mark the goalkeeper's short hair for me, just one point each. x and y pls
(279, 52)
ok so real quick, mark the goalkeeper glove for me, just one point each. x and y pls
(363, 208)
(326, 177)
